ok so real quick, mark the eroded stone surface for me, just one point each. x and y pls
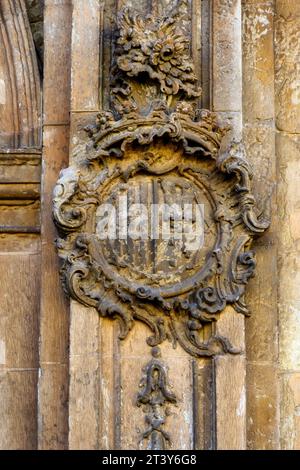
(258, 63)
(287, 81)
(290, 411)
(262, 407)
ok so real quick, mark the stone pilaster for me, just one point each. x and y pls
(287, 94)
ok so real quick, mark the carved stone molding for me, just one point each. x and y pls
(155, 145)
(20, 191)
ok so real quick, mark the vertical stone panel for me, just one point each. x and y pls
(262, 406)
(290, 411)
(258, 60)
(204, 404)
(227, 56)
(57, 35)
(19, 308)
(54, 320)
(206, 56)
(227, 101)
(84, 378)
(287, 79)
(226, 77)
(231, 385)
(287, 66)
(259, 139)
(288, 147)
(85, 55)
(84, 391)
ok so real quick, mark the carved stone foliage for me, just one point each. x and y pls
(154, 145)
(157, 47)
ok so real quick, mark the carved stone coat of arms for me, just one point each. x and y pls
(155, 147)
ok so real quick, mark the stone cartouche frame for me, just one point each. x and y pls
(155, 144)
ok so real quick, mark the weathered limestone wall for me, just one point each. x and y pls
(249, 63)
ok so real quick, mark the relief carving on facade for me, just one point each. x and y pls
(154, 144)
(155, 398)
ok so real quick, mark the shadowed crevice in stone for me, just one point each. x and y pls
(35, 9)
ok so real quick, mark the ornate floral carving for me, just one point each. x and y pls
(155, 145)
(157, 47)
(154, 51)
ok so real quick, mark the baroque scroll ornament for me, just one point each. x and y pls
(155, 145)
